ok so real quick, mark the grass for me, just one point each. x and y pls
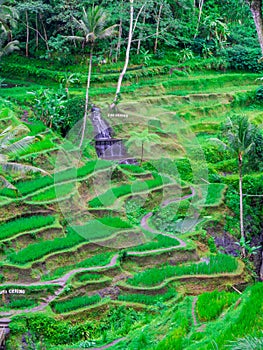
(75, 303)
(94, 229)
(88, 277)
(96, 260)
(107, 198)
(220, 263)
(21, 225)
(59, 191)
(37, 147)
(212, 194)
(148, 299)
(30, 186)
(210, 305)
(158, 242)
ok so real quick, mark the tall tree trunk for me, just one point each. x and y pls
(256, 10)
(157, 28)
(142, 154)
(27, 35)
(87, 98)
(242, 233)
(201, 4)
(140, 36)
(44, 31)
(37, 39)
(126, 58)
(118, 48)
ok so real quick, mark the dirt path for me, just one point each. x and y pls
(63, 280)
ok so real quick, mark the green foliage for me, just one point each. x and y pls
(21, 225)
(107, 198)
(30, 186)
(89, 277)
(148, 299)
(75, 303)
(218, 264)
(94, 229)
(244, 58)
(210, 305)
(158, 242)
(21, 303)
(96, 260)
(55, 192)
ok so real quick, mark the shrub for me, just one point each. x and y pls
(244, 58)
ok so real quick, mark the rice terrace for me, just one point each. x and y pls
(131, 183)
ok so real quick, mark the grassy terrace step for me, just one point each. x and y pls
(25, 188)
(53, 194)
(157, 242)
(148, 299)
(107, 198)
(77, 235)
(27, 224)
(75, 303)
(96, 260)
(220, 263)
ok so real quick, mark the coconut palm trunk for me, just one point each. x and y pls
(127, 57)
(256, 11)
(87, 98)
(242, 232)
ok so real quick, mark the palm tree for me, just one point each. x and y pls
(239, 135)
(142, 139)
(93, 26)
(6, 49)
(8, 16)
(9, 147)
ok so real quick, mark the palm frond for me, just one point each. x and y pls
(19, 145)
(5, 183)
(21, 168)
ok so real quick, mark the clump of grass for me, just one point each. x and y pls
(210, 305)
(21, 225)
(108, 197)
(159, 241)
(220, 263)
(21, 303)
(94, 229)
(148, 299)
(89, 277)
(75, 303)
(54, 192)
(96, 260)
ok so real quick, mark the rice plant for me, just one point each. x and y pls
(220, 263)
(158, 242)
(210, 305)
(53, 193)
(108, 197)
(148, 299)
(75, 303)
(21, 225)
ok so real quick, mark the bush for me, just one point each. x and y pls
(244, 58)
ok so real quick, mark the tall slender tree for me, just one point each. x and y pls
(93, 25)
(240, 142)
